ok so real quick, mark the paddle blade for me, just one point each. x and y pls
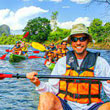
(3, 57)
(31, 57)
(25, 35)
(2, 76)
(35, 51)
(7, 50)
(38, 46)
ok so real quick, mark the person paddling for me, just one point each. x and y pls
(16, 49)
(50, 53)
(75, 94)
(61, 51)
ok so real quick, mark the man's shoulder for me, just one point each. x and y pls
(102, 61)
(63, 59)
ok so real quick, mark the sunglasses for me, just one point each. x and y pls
(82, 39)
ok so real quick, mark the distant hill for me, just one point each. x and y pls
(4, 29)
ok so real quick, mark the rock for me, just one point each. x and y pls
(4, 29)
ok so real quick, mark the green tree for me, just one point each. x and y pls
(107, 27)
(96, 29)
(39, 29)
(59, 34)
(54, 20)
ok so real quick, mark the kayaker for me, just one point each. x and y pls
(16, 49)
(75, 94)
(50, 53)
(62, 50)
(24, 48)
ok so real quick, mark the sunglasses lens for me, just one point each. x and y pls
(83, 39)
(75, 39)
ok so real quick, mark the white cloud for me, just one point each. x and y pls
(26, 0)
(81, 1)
(56, 0)
(40, 0)
(17, 20)
(68, 24)
(51, 0)
(66, 7)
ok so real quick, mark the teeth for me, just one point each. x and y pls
(79, 47)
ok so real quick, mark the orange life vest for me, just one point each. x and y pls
(62, 53)
(80, 91)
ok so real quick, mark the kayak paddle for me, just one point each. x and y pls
(3, 57)
(38, 46)
(31, 57)
(8, 50)
(17, 75)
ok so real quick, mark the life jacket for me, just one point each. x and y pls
(80, 91)
(24, 48)
(17, 49)
(51, 52)
(62, 53)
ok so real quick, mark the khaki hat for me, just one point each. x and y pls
(79, 29)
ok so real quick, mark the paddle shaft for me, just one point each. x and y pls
(16, 75)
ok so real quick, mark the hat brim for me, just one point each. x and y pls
(69, 37)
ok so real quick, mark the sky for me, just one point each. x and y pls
(16, 13)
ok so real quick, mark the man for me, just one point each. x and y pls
(50, 53)
(61, 51)
(75, 94)
(16, 49)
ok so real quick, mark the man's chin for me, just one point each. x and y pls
(80, 52)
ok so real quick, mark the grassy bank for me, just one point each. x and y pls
(101, 46)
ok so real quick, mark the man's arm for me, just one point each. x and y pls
(53, 84)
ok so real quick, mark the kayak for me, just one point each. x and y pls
(49, 65)
(16, 58)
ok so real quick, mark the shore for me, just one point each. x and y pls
(100, 46)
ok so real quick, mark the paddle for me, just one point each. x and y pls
(38, 46)
(17, 75)
(3, 57)
(8, 50)
(31, 57)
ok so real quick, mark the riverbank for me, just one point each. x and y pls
(100, 46)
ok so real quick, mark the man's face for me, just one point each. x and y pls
(79, 43)
(64, 45)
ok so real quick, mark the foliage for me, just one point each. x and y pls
(59, 34)
(54, 20)
(39, 29)
(9, 40)
(96, 29)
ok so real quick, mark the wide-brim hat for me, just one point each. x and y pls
(79, 29)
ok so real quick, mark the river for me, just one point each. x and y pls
(20, 94)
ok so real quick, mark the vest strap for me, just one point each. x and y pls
(78, 96)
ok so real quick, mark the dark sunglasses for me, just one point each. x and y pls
(82, 39)
(51, 45)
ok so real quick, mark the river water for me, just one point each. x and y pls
(20, 94)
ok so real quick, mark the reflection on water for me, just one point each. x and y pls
(20, 94)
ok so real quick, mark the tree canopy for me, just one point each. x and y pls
(39, 29)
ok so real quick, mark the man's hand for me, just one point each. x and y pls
(33, 78)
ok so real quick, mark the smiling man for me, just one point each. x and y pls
(75, 94)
